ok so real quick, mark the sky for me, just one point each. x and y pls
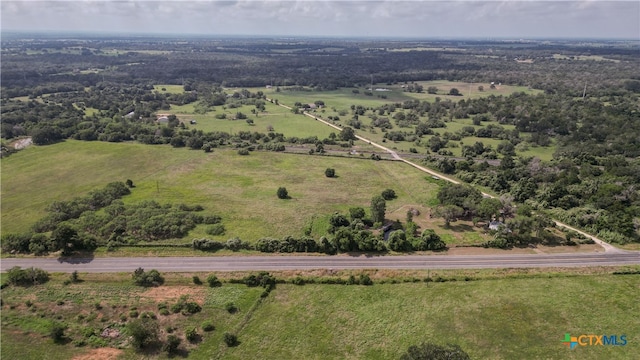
(417, 18)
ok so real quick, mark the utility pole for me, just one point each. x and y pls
(584, 92)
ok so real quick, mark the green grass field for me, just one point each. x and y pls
(505, 314)
(492, 319)
(171, 89)
(342, 99)
(280, 119)
(242, 189)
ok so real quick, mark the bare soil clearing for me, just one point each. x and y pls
(22, 143)
(164, 293)
(100, 354)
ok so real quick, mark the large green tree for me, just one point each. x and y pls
(449, 213)
(144, 332)
(378, 208)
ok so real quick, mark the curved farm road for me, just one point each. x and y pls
(607, 247)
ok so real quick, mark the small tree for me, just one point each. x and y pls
(283, 193)
(329, 172)
(74, 278)
(56, 331)
(449, 213)
(213, 281)
(130, 183)
(347, 134)
(231, 307)
(356, 213)
(454, 92)
(230, 339)
(208, 326)
(191, 334)
(151, 278)
(172, 344)
(388, 194)
(143, 332)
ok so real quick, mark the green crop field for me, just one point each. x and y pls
(242, 189)
(499, 315)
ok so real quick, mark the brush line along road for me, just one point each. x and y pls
(339, 262)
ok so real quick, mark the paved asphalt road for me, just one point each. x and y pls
(274, 263)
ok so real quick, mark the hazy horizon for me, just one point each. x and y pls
(331, 19)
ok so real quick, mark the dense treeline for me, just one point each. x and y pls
(597, 194)
(29, 65)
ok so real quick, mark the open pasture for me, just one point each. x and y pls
(489, 319)
(170, 89)
(242, 189)
(276, 117)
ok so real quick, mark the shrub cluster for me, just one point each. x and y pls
(26, 277)
(288, 244)
(78, 225)
(186, 307)
(150, 278)
(234, 244)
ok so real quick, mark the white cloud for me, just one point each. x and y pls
(343, 18)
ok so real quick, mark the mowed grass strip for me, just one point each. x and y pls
(489, 319)
(242, 189)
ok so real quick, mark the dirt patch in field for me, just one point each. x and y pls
(100, 354)
(22, 143)
(165, 293)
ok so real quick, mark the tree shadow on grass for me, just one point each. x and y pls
(77, 258)
(457, 227)
(197, 339)
(180, 352)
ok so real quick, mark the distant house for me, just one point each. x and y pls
(311, 106)
(163, 120)
(494, 225)
(269, 86)
(130, 115)
(192, 122)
